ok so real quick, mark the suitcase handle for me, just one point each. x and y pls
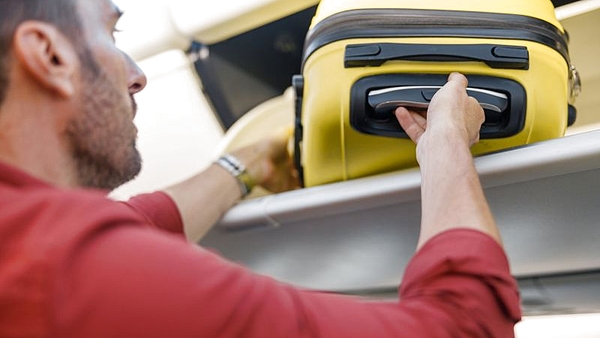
(495, 56)
(384, 101)
(373, 99)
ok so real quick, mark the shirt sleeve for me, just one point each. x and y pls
(466, 272)
(159, 210)
(139, 282)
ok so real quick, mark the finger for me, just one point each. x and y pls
(420, 118)
(408, 120)
(475, 107)
(475, 118)
(475, 141)
(277, 146)
(459, 79)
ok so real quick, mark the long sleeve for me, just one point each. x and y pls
(467, 274)
(132, 283)
(159, 210)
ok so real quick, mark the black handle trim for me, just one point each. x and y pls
(364, 118)
(495, 56)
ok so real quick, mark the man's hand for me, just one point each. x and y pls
(269, 162)
(203, 198)
(451, 112)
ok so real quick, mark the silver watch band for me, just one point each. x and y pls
(237, 169)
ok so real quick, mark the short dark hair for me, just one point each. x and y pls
(61, 13)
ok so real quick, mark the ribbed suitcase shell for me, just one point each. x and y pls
(331, 147)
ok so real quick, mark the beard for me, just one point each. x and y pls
(102, 136)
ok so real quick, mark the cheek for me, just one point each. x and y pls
(114, 65)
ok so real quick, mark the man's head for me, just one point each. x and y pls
(68, 48)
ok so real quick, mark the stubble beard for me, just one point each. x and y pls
(102, 137)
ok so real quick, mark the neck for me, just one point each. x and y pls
(29, 143)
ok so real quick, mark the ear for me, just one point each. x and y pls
(47, 55)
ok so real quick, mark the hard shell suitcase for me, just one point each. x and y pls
(363, 58)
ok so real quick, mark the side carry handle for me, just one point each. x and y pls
(495, 56)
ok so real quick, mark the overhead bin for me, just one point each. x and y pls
(357, 236)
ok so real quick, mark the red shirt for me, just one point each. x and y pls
(76, 264)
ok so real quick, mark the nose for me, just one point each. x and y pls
(136, 77)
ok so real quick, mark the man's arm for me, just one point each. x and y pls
(136, 281)
(205, 197)
(451, 193)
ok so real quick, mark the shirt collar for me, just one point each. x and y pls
(16, 177)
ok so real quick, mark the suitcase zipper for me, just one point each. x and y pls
(399, 23)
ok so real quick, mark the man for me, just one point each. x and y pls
(75, 264)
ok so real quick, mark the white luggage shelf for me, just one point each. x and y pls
(357, 236)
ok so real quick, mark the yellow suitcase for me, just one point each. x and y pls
(362, 58)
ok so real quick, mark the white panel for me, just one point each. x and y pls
(580, 326)
(147, 29)
(211, 22)
(576, 8)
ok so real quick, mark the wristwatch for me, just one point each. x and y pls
(237, 169)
